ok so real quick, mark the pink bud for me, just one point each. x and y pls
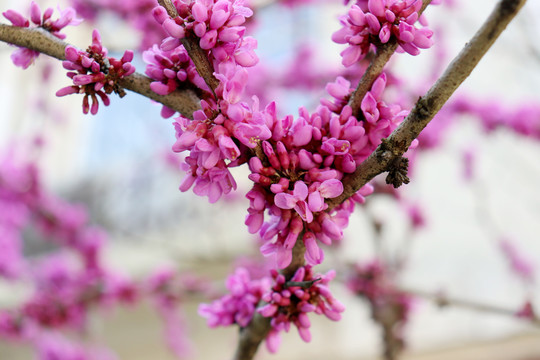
(422, 38)
(271, 155)
(384, 34)
(356, 16)
(373, 23)
(331, 188)
(199, 29)
(209, 39)
(231, 34)
(283, 257)
(246, 58)
(218, 18)
(67, 91)
(376, 7)
(284, 200)
(406, 32)
(173, 29)
(199, 12)
(35, 13)
(16, 18)
(160, 14)
(390, 16)
(330, 228)
(314, 254)
(351, 55)
(268, 310)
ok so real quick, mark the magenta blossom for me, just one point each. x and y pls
(239, 305)
(381, 19)
(96, 75)
(289, 302)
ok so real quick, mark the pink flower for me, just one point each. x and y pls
(289, 302)
(239, 305)
(296, 200)
(95, 78)
(384, 19)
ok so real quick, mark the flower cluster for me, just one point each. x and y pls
(239, 305)
(286, 302)
(25, 57)
(218, 25)
(289, 302)
(377, 21)
(66, 285)
(94, 74)
(226, 126)
(303, 166)
(171, 70)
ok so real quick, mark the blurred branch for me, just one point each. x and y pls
(185, 101)
(427, 106)
(443, 301)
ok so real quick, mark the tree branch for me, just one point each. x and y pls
(196, 53)
(375, 68)
(443, 300)
(185, 101)
(427, 106)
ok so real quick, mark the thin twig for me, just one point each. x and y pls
(426, 107)
(375, 68)
(443, 300)
(185, 101)
(196, 53)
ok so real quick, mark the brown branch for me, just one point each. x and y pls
(252, 335)
(375, 68)
(184, 101)
(443, 301)
(196, 53)
(427, 106)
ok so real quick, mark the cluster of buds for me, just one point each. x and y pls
(94, 74)
(218, 25)
(171, 70)
(285, 302)
(289, 302)
(226, 126)
(303, 166)
(375, 22)
(238, 306)
(24, 57)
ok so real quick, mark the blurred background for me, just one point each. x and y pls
(119, 164)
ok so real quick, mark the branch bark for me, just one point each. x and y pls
(427, 106)
(375, 68)
(185, 101)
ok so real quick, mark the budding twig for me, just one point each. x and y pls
(184, 101)
(427, 106)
